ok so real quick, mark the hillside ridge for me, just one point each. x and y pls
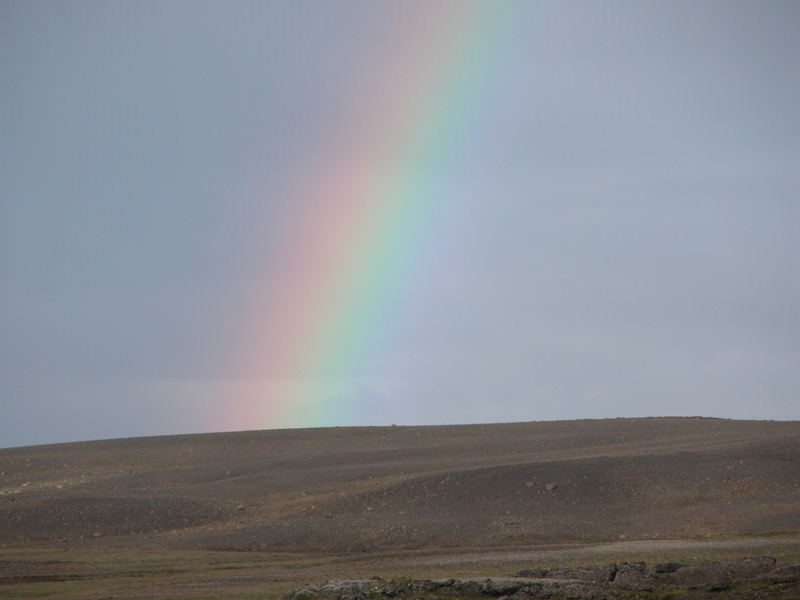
(389, 487)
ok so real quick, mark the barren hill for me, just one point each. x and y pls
(355, 488)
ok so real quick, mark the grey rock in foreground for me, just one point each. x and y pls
(430, 589)
(637, 575)
(754, 577)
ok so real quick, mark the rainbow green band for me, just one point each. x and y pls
(372, 215)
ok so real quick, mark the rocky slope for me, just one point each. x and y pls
(400, 487)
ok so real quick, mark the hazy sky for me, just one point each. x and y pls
(623, 240)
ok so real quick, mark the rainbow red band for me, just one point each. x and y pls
(366, 218)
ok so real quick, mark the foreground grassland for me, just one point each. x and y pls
(196, 575)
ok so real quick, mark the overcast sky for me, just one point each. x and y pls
(624, 240)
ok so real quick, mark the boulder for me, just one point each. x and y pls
(632, 575)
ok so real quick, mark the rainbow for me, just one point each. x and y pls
(373, 207)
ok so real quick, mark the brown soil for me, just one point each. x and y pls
(372, 488)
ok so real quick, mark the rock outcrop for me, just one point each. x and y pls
(753, 577)
(637, 575)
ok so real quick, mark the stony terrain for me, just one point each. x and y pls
(342, 489)
(169, 517)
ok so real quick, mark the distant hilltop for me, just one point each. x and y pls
(357, 488)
